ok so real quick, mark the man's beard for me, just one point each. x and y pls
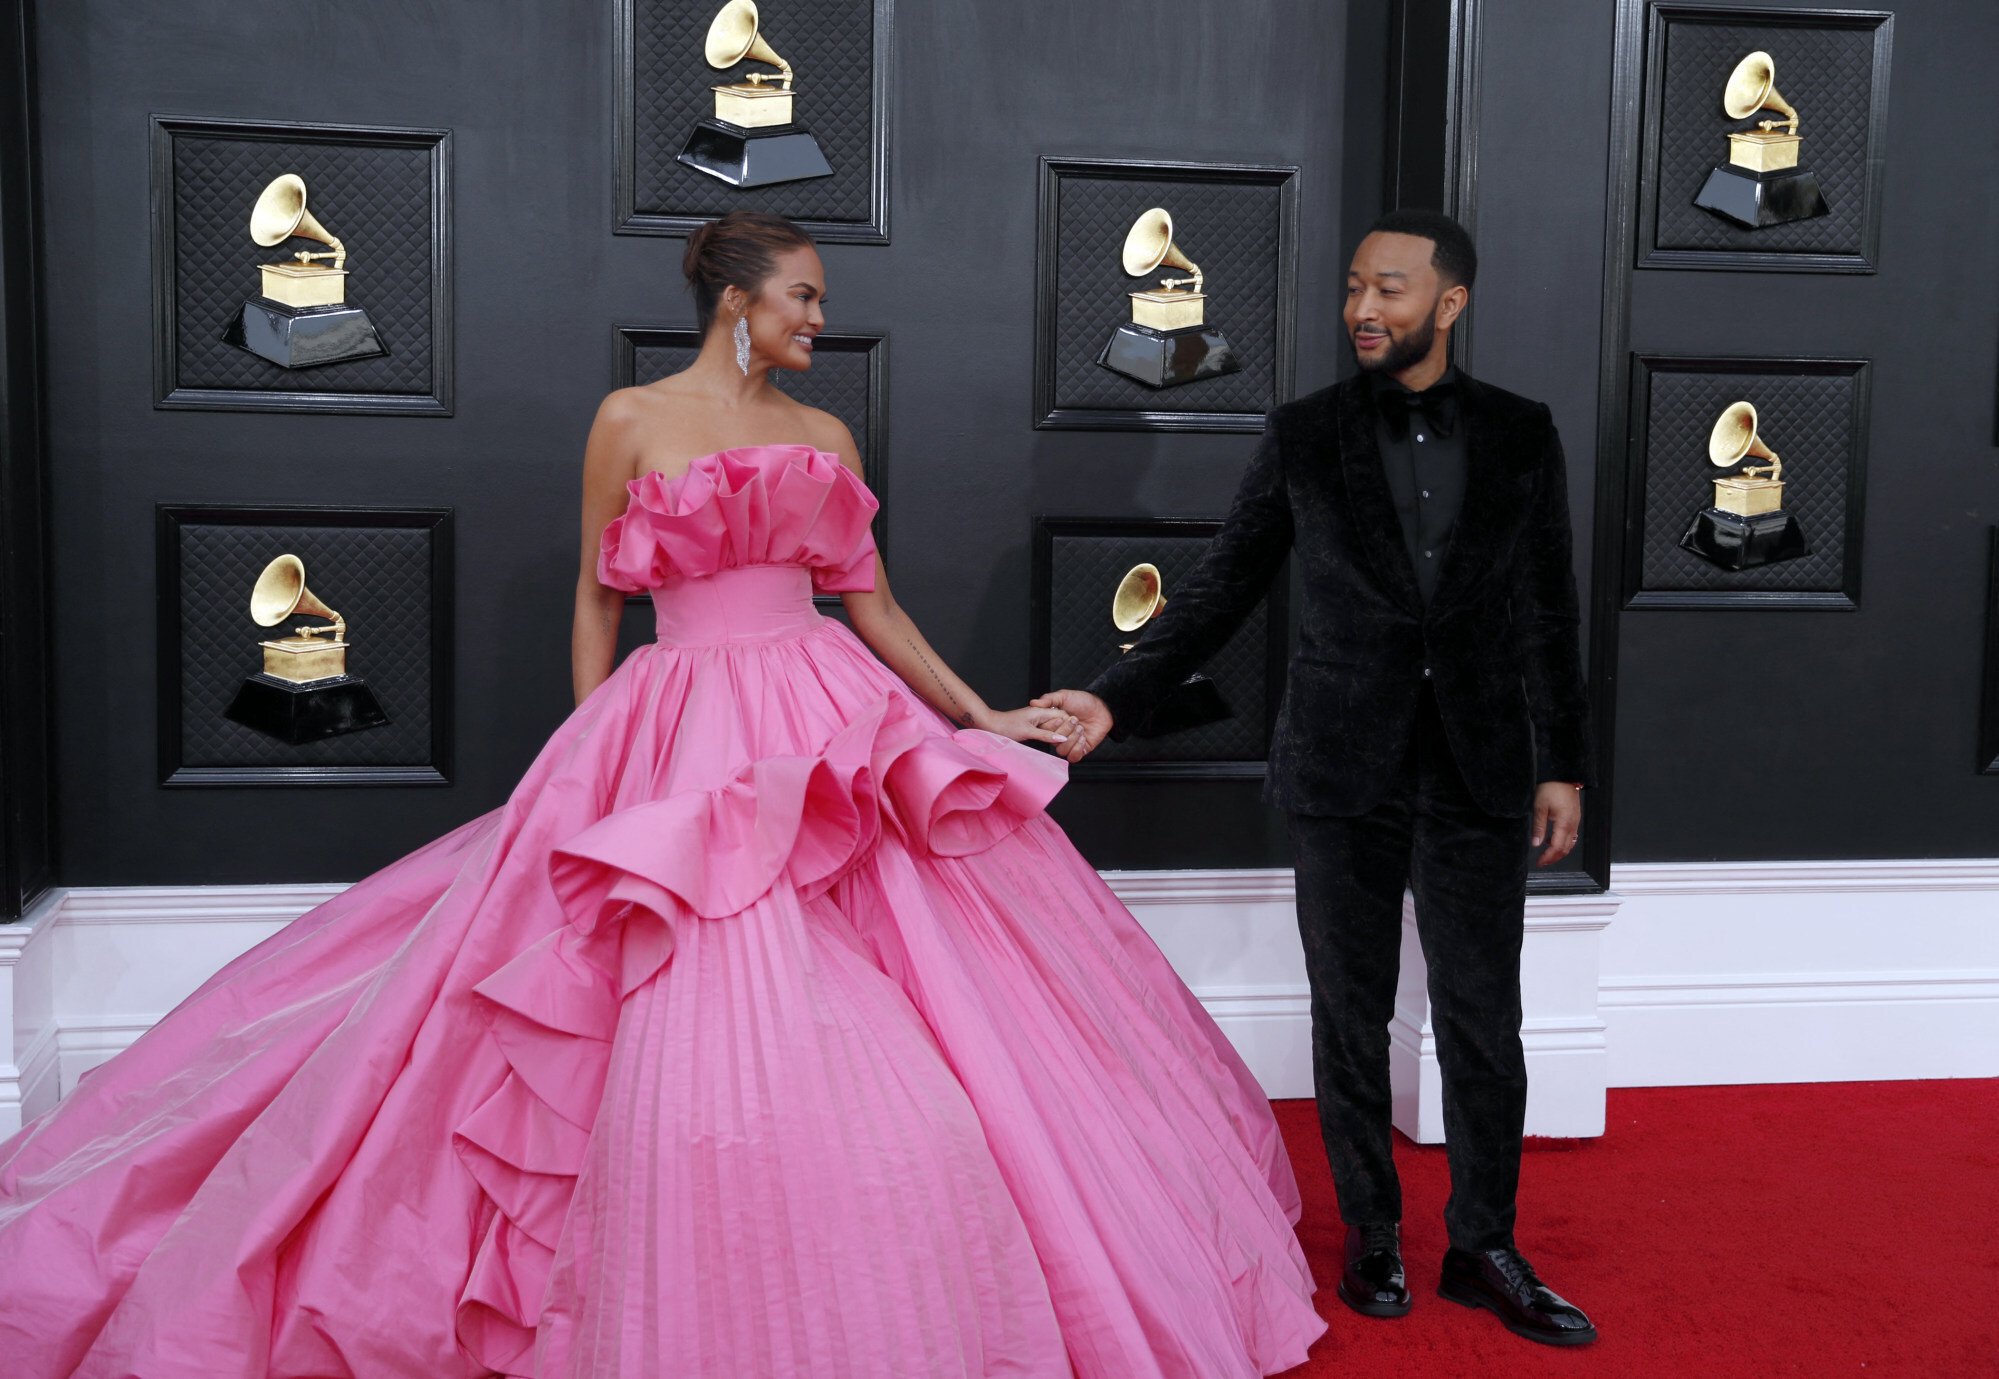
(1402, 351)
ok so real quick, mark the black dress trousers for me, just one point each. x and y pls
(1468, 870)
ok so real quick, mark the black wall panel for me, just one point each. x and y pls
(27, 769)
(527, 90)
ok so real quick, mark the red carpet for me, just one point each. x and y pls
(1822, 1230)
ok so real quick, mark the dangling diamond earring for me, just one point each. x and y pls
(742, 334)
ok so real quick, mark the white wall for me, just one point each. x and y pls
(1682, 974)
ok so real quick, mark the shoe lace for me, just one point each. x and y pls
(1381, 1237)
(1518, 1271)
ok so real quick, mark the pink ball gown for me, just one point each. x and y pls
(769, 1029)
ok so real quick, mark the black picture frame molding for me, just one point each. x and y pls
(1658, 17)
(627, 219)
(1048, 416)
(1047, 527)
(1630, 574)
(1988, 711)
(168, 394)
(170, 517)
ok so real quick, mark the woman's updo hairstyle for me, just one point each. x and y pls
(739, 250)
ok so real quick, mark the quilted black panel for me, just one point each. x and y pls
(376, 198)
(1825, 73)
(1231, 229)
(378, 578)
(1084, 571)
(830, 46)
(1810, 420)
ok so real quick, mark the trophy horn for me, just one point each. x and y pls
(1138, 598)
(1734, 438)
(1752, 86)
(1149, 243)
(280, 213)
(733, 38)
(281, 592)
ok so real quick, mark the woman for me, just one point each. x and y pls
(770, 1028)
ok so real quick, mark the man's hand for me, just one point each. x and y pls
(1090, 712)
(1558, 818)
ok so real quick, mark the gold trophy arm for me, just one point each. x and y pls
(339, 628)
(1168, 284)
(338, 254)
(1775, 469)
(783, 75)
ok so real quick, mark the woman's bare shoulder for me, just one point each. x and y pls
(824, 431)
(645, 402)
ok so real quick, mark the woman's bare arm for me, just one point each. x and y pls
(889, 632)
(608, 459)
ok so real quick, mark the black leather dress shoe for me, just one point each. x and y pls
(1372, 1283)
(1505, 1283)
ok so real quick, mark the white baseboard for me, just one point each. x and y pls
(1802, 972)
(1684, 974)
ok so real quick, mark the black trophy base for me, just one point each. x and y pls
(1168, 358)
(297, 713)
(1193, 703)
(754, 157)
(1735, 542)
(301, 337)
(1757, 200)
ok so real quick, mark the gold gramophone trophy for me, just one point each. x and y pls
(1747, 526)
(751, 141)
(1167, 341)
(304, 692)
(302, 317)
(1196, 701)
(1761, 183)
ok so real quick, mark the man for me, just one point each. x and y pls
(1434, 733)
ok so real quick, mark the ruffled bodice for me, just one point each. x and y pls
(756, 505)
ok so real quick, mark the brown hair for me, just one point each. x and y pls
(739, 250)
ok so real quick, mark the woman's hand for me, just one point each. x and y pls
(1030, 724)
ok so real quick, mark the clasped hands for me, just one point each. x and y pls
(1070, 722)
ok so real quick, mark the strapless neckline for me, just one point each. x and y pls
(738, 452)
(747, 505)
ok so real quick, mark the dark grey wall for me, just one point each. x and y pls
(1822, 734)
(981, 91)
(1538, 147)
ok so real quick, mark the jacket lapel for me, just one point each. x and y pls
(1377, 528)
(1496, 488)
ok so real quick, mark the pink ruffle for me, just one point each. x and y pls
(627, 883)
(755, 505)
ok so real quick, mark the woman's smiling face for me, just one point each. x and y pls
(789, 309)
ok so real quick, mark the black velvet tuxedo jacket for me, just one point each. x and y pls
(1497, 643)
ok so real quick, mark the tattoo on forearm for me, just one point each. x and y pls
(959, 713)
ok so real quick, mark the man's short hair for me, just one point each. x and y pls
(1454, 257)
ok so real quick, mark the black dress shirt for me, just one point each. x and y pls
(1426, 477)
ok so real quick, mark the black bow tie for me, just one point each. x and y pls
(1438, 403)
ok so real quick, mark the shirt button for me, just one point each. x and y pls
(1426, 493)
(1419, 436)
(1426, 672)
(1428, 554)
